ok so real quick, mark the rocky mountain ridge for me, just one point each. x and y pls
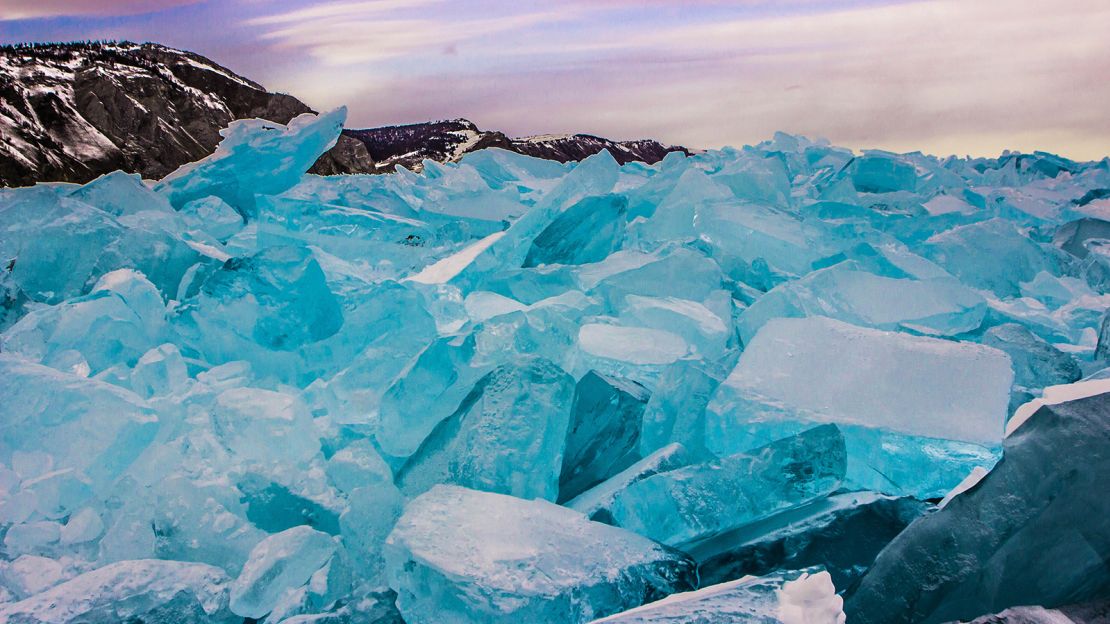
(445, 141)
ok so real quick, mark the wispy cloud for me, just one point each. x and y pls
(31, 9)
(946, 76)
(344, 33)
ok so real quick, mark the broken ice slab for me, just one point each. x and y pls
(278, 563)
(604, 431)
(937, 307)
(120, 194)
(460, 556)
(383, 333)
(56, 247)
(201, 521)
(842, 533)
(595, 175)
(116, 323)
(676, 272)
(356, 465)
(27, 575)
(971, 253)
(278, 310)
(279, 298)
(676, 410)
(586, 232)
(1032, 531)
(423, 393)
(548, 328)
(131, 591)
(706, 326)
(371, 512)
(759, 245)
(630, 346)
(1037, 364)
(507, 434)
(702, 500)
(663, 208)
(597, 502)
(264, 426)
(1079, 236)
(790, 597)
(214, 216)
(255, 157)
(369, 607)
(882, 172)
(87, 425)
(349, 233)
(917, 413)
(160, 371)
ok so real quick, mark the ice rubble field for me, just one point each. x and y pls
(731, 386)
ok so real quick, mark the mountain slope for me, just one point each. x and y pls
(75, 111)
(444, 141)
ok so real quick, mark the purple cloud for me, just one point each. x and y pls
(32, 9)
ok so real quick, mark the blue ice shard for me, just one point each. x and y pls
(146, 590)
(459, 556)
(917, 413)
(119, 321)
(702, 500)
(676, 410)
(604, 432)
(423, 393)
(882, 172)
(255, 157)
(970, 251)
(514, 417)
(597, 502)
(1037, 364)
(120, 194)
(249, 297)
(277, 564)
(586, 232)
(781, 598)
(842, 533)
(57, 247)
(262, 426)
(936, 307)
(86, 425)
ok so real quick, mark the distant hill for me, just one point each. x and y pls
(445, 141)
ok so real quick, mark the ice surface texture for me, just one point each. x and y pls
(494, 558)
(784, 598)
(507, 390)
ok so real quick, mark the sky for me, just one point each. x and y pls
(964, 77)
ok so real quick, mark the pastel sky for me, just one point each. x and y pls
(941, 76)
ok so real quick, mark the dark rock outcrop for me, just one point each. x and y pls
(1013, 538)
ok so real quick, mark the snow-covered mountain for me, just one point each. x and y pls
(74, 111)
(445, 141)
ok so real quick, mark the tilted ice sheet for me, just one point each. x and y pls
(462, 556)
(915, 411)
(786, 598)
